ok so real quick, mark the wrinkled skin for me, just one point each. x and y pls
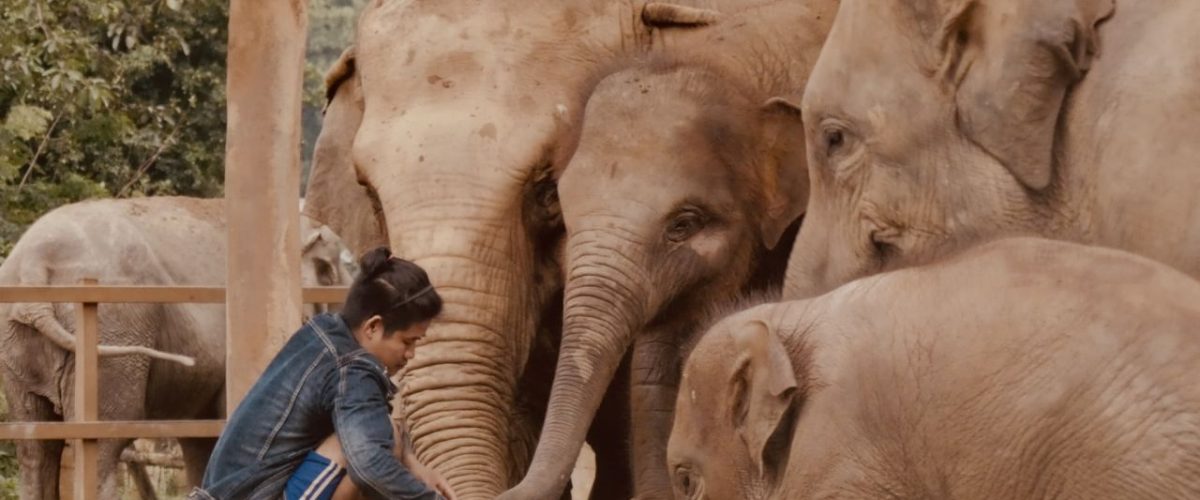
(164, 241)
(456, 116)
(959, 120)
(684, 182)
(1022, 369)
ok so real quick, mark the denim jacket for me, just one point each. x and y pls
(320, 381)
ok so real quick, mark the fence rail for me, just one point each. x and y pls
(86, 427)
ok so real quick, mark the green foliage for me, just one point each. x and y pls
(108, 98)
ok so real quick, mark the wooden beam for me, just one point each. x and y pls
(87, 397)
(114, 294)
(265, 67)
(149, 294)
(147, 429)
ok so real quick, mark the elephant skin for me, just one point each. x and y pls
(957, 120)
(447, 126)
(163, 241)
(1019, 369)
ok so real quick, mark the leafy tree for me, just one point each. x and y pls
(108, 98)
(127, 98)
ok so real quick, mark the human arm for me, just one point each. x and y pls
(364, 428)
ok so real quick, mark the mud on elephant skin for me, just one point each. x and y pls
(165, 241)
(686, 180)
(957, 120)
(1022, 368)
(456, 116)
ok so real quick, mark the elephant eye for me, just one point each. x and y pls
(685, 225)
(544, 197)
(688, 485)
(833, 141)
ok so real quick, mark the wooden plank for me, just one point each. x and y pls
(325, 294)
(87, 400)
(114, 294)
(149, 429)
(265, 67)
(148, 294)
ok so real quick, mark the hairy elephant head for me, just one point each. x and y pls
(939, 128)
(685, 178)
(443, 138)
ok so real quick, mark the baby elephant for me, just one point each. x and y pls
(1019, 369)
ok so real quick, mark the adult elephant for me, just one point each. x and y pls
(455, 118)
(167, 241)
(1072, 119)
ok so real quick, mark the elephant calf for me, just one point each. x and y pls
(166, 241)
(1019, 369)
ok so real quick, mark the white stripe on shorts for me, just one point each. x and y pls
(322, 481)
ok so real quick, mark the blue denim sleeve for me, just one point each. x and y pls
(365, 429)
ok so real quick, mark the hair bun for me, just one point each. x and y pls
(375, 261)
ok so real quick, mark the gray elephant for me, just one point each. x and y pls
(962, 119)
(446, 129)
(166, 241)
(1019, 369)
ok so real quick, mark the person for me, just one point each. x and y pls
(331, 378)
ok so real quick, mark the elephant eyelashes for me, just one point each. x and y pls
(685, 225)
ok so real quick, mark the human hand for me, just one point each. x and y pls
(431, 478)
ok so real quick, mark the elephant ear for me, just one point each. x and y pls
(333, 195)
(764, 386)
(1013, 62)
(783, 173)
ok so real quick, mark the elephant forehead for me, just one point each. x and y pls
(416, 52)
(858, 76)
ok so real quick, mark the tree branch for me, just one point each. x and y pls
(145, 166)
(37, 154)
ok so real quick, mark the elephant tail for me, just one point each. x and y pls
(40, 317)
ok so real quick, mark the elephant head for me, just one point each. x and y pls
(941, 127)
(685, 178)
(446, 126)
(736, 409)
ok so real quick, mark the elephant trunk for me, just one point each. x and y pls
(605, 303)
(816, 263)
(459, 389)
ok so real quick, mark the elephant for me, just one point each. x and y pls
(158, 361)
(446, 126)
(960, 120)
(686, 178)
(1020, 368)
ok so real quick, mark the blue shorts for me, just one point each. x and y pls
(315, 479)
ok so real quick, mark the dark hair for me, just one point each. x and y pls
(393, 288)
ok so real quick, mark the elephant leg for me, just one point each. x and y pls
(108, 464)
(123, 383)
(609, 439)
(38, 460)
(655, 373)
(196, 452)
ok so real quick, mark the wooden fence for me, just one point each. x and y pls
(86, 427)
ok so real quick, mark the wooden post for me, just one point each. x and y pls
(262, 184)
(87, 402)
